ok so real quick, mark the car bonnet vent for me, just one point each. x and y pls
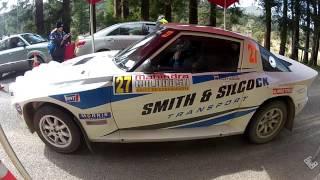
(83, 61)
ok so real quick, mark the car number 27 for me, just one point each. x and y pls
(123, 84)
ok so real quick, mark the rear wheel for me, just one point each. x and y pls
(57, 130)
(267, 122)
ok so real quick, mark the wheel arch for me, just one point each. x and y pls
(30, 109)
(290, 107)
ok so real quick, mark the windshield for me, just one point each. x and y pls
(129, 57)
(33, 38)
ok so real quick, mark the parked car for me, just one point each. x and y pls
(183, 82)
(115, 37)
(17, 52)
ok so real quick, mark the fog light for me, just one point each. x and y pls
(18, 108)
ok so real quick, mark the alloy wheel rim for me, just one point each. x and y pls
(55, 131)
(269, 123)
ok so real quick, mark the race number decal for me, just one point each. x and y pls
(252, 54)
(149, 83)
(123, 84)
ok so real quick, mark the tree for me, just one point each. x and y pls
(66, 15)
(193, 11)
(145, 10)
(296, 29)
(125, 9)
(213, 15)
(39, 19)
(284, 28)
(316, 33)
(267, 38)
(117, 8)
(168, 10)
(306, 48)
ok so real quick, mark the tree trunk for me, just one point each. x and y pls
(193, 11)
(306, 48)
(145, 6)
(168, 10)
(213, 15)
(39, 17)
(315, 46)
(94, 18)
(117, 9)
(284, 28)
(125, 9)
(267, 37)
(295, 40)
(66, 15)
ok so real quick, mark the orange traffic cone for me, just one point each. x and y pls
(5, 174)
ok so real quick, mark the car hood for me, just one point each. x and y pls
(75, 75)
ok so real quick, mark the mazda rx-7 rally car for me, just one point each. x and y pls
(181, 82)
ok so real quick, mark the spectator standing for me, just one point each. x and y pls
(58, 40)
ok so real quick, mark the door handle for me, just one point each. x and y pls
(112, 40)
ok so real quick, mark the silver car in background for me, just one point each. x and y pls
(115, 37)
(17, 52)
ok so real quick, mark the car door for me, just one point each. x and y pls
(189, 82)
(124, 36)
(15, 50)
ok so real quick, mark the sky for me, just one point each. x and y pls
(246, 3)
(243, 3)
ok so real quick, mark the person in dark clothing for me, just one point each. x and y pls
(59, 39)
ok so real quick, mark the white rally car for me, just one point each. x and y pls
(182, 82)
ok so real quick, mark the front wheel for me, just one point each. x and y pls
(34, 63)
(267, 122)
(57, 130)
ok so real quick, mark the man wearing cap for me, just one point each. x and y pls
(59, 39)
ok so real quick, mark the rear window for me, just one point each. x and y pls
(271, 63)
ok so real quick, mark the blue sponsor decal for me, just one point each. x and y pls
(205, 78)
(217, 120)
(95, 97)
(95, 116)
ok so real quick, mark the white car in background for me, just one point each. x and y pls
(115, 37)
(182, 82)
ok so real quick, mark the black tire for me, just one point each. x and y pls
(103, 50)
(49, 113)
(263, 119)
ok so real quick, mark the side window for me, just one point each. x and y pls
(3, 45)
(148, 28)
(271, 63)
(197, 54)
(114, 32)
(131, 29)
(13, 42)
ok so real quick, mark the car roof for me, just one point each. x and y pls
(205, 29)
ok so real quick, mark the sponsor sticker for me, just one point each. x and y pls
(147, 83)
(278, 91)
(252, 54)
(95, 116)
(272, 62)
(71, 98)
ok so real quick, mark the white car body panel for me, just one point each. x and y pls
(88, 92)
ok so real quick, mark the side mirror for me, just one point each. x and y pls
(21, 44)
